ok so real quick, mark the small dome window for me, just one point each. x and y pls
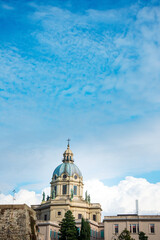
(55, 177)
(64, 176)
(75, 176)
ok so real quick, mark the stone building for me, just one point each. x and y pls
(17, 222)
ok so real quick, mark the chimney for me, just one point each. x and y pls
(137, 210)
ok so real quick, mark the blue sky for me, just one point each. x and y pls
(89, 71)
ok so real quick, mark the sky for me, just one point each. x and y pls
(88, 71)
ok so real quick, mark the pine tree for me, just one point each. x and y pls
(85, 230)
(125, 235)
(142, 236)
(68, 229)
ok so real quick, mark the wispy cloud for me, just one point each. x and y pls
(7, 7)
(116, 56)
(79, 74)
(120, 43)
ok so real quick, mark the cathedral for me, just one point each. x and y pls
(66, 193)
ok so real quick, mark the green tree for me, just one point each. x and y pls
(85, 230)
(125, 235)
(142, 236)
(68, 229)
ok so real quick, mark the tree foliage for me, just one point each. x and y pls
(142, 236)
(68, 229)
(85, 230)
(125, 235)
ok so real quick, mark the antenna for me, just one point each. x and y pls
(137, 208)
(14, 191)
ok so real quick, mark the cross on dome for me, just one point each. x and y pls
(68, 141)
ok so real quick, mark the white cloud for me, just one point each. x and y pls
(121, 198)
(23, 196)
(116, 199)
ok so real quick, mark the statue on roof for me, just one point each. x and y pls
(89, 198)
(53, 194)
(47, 198)
(86, 196)
(71, 194)
(43, 194)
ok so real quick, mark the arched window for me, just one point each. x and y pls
(64, 189)
(75, 190)
(55, 189)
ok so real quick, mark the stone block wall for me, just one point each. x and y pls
(17, 222)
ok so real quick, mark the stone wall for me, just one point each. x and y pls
(17, 222)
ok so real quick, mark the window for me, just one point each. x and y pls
(152, 229)
(64, 176)
(94, 217)
(102, 233)
(79, 216)
(75, 176)
(51, 233)
(64, 189)
(59, 213)
(55, 177)
(134, 228)
(116, 228)
(75, 190)
(45, 217)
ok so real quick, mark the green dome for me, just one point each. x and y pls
(69, 168)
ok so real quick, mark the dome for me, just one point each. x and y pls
(69, 168)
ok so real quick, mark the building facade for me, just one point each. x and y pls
(134, 223)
